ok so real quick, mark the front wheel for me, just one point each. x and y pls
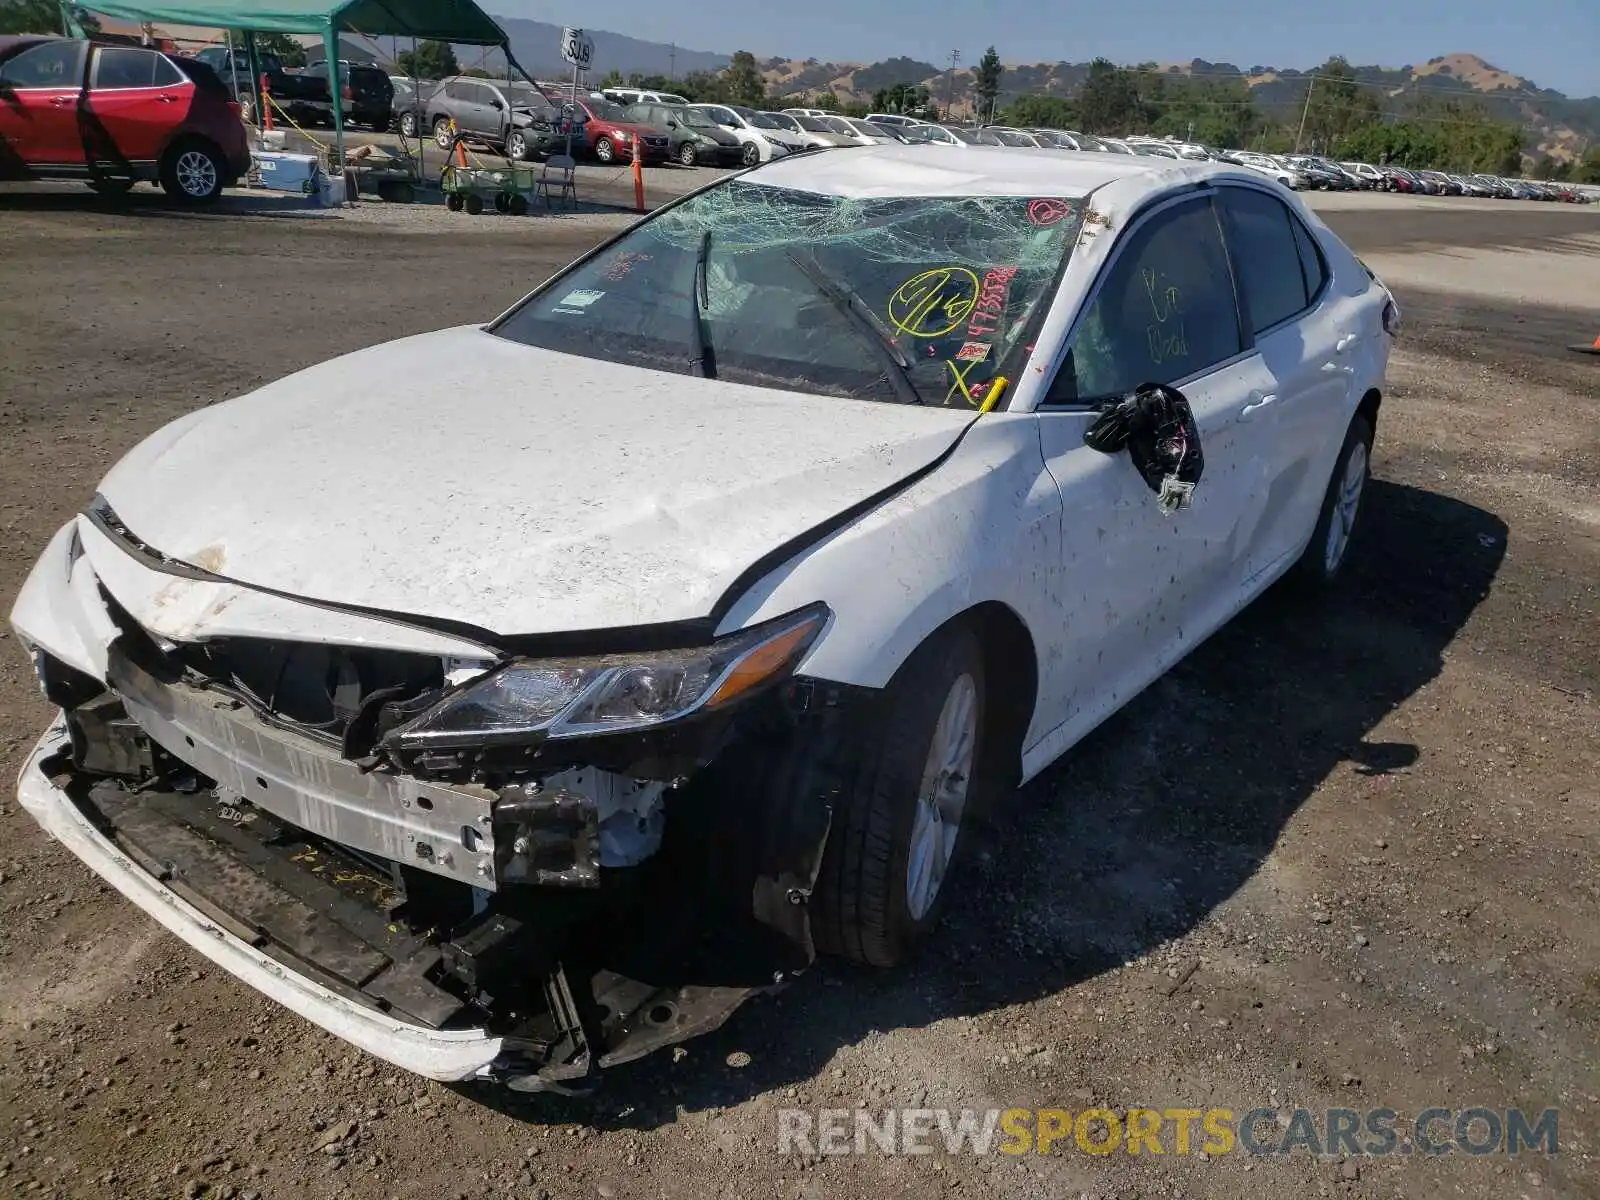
(604, 150)
(687, 155)
(1329, 547)
(751, 154)
(517, 146)
(193, 172)
(895, 835)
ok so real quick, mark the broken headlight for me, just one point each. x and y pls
(617, 693)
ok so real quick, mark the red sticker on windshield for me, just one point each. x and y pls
(1045, 212)
(973, 352)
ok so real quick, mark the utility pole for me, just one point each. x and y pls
(950, 83)
(672, 62)
(1303, 113)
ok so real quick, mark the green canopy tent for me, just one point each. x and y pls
(459, 21)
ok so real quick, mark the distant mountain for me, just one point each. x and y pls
(1561, 125)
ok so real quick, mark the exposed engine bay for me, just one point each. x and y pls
(587, 900)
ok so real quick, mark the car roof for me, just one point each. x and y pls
(899, 170)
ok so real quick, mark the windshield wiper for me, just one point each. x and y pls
(865, 322)
(705, 364)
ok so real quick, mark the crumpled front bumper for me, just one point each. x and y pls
(447, 1055)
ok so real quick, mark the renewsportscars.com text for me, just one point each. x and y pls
(1261, 1132)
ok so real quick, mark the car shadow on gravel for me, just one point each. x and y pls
(1136, 835)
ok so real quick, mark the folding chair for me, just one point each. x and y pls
(557, 180)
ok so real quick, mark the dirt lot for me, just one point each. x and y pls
(1341, 857)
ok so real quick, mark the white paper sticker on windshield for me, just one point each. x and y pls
(582, 298)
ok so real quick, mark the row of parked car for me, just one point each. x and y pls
(525, 122)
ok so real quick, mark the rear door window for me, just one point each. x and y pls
(1265, 256)
(123, 67)
(1165, 310)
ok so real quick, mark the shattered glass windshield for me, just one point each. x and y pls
(926, 300)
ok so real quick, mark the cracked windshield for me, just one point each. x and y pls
(925, 300)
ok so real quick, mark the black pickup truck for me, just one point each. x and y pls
(304, 97)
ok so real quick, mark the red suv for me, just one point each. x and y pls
(116, 115)
(611, 134)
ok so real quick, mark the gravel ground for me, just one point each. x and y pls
(1341, 856)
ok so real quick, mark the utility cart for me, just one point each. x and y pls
(507, 189)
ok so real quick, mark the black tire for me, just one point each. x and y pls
(111, 189)
(408, 124)
(455, 201)
(502, 202)
(862, 908)
(604, 150)
(687, 155)
(517, 149)
(441, 133)
(518, 205)
(750, 155)
(1319, 566)
(193, 172)
(474, 205)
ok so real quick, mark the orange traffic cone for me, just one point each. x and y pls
(461, 149)
(1593, 349)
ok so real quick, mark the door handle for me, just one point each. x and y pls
(1258, 400)
(167, 99)
(1344, 343)
(63, 101)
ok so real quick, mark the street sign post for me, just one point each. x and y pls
(577, 48)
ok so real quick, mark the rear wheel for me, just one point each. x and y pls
(895, 835)
(474, 205)
(442, 133)
(408, 124)
(1329, 548)
(455, 201)
(193, 172)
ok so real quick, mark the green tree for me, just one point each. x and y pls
(701, 86)
(1587, 171)
(1336, 105)
(290, 52)
(1041, 112)
(1109, 101)
(430, 60)
(612, 78)
(30, 16)
(826, 101)
(856, 109)
(743, 82)
(42, 16)
(906, 99)
(986, 84)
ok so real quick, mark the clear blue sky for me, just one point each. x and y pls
(1555, 43)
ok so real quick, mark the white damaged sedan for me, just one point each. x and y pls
(514, 700)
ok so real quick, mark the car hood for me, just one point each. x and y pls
(717, 134)
(460, 476)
